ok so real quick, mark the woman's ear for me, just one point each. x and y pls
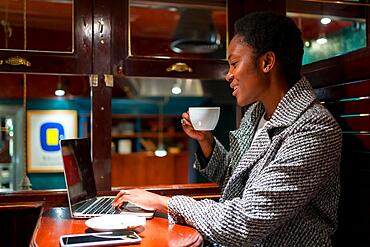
(268, 61)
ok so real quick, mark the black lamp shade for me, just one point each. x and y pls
(196, 32)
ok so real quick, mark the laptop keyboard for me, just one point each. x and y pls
(103, 206)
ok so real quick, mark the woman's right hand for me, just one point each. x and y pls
(205, 138)
(191, 132)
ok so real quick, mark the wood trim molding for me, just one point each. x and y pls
(346, 68)
(59, 197)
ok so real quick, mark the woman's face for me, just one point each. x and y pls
(245, 77)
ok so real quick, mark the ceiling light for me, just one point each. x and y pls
(322, 40)
(59, 91)
(176, 88)
(325, 20)
(160, 151)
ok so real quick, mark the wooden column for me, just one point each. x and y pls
(101, 93)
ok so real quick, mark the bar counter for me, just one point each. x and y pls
(55, 222)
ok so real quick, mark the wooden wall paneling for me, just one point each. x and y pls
(354, 123)
(343, 90)
(181, 169)
(18, 221)
(358, 143)
(356, 106)
(347, 97)
(144, 169)
(354, 205)
(264, 5)
(350, 67)
(101, 95)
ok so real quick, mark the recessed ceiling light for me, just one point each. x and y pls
(325, 20)
(322, 40)
(176, 90)
(59, 92)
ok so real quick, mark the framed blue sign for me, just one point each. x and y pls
(45, 128)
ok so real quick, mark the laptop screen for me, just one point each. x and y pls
(78, 170)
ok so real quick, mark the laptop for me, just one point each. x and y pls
(81, 189)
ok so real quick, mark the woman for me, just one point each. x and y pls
(280, 179)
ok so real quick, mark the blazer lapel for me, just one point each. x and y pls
(255, 152)
(241, 138)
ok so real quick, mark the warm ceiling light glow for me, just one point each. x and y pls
(176, 90)
(60, 92)
(160, 152)
(325, 20)
(322, 40)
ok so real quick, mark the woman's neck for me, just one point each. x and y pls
(276, 91)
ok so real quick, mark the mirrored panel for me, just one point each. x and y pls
(328, 30)
(36, 111)
(178, 29)
(37, 25)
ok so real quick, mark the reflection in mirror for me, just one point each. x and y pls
(192, 29)
(146, 114)
(38, 130)
(46, 25)
(328, 31)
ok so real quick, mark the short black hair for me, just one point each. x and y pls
(269, 31)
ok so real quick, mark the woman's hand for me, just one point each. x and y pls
(143, 199)
(205, 138)
(191, 132)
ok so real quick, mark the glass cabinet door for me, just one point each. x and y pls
(36, 111)
(36, 25)
(184, 39)
(329, 28)
(178, 29)
(46, 36)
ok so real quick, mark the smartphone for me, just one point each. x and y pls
(99, 239)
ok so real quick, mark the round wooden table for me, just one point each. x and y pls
(56, 221)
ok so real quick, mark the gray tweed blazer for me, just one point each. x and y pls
(280, 190)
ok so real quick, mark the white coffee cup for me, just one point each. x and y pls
(204, 118)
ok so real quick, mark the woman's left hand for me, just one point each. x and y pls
(142, 198)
